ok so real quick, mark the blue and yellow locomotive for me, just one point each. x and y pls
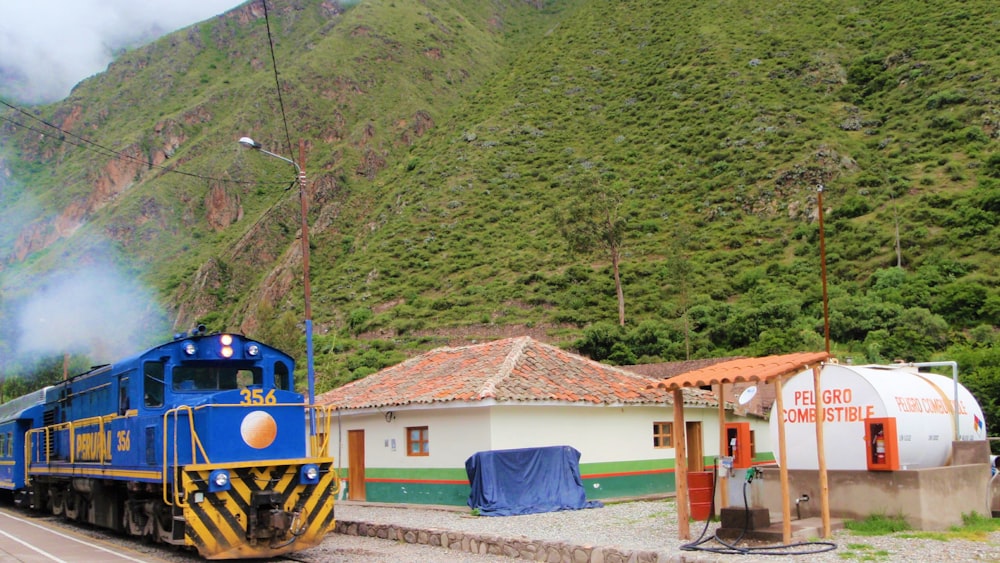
(201, 442)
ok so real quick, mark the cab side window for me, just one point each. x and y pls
(282, 379)
(123, 399)
(152, 384)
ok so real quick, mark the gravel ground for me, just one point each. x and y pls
(652, 526)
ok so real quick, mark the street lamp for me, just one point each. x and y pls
(248, 142)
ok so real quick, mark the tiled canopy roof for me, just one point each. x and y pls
(664, 370)
(745, 369)
(514, 369)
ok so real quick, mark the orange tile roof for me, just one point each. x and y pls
(739, 370)
(664, 370)
(513, 369)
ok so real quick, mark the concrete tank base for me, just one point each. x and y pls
(933, 498)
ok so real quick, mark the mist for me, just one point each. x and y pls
(96, 311)
(49, 46)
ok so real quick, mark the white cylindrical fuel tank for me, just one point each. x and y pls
(922, 404)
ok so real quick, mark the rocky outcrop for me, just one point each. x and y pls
(109, 182)
(222, 207)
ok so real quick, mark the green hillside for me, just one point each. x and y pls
(456, 150)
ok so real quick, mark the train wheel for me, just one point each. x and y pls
(129, 520)
(58, 502)
(72, 505)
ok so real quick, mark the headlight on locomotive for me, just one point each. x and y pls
(309, 474)
(218, 481)
(226, 351)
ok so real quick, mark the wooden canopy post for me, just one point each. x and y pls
(681, 467)
(824, 486)
(786, 517)
(723, 477)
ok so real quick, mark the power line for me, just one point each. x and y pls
(85, 143)
(45, 133)
(277, 82)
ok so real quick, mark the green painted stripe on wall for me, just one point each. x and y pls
(417, 493)
(637, 473)
(629, 485)
(458, 495)
(635, 466)
(459, 475)
(418, 474)
(439, 486)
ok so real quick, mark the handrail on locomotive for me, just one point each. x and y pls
(319, 443)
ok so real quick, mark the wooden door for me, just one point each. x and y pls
(695, 451)
(356, 465)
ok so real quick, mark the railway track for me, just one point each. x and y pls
(111, 547)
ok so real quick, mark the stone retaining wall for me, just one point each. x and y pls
(518, 548)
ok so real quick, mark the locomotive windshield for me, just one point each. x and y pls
(215, 378)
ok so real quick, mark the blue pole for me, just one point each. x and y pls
(311, 372)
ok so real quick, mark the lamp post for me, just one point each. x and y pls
(248, 142)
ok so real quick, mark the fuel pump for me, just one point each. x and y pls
(737, 460)
(744, 511)
(738, 444)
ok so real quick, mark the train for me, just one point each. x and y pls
(200, 442)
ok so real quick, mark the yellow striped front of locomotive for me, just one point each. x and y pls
(263, 509)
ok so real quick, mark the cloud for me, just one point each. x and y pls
(48, 46)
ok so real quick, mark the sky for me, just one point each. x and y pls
(49, 46)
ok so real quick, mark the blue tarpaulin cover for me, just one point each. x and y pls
(526, 481)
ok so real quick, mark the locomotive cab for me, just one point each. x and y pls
(207, 366)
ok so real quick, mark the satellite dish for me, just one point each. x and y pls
(747, 395)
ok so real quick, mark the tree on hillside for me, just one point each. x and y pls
(595, 220)
(678, 271)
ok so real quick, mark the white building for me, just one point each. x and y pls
(403, 434)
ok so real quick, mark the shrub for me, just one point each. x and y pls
(992, 165)
(941, 99)
(599, 340)
(358, 319)
(853, 206)
(877, 525)
(960, 302)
